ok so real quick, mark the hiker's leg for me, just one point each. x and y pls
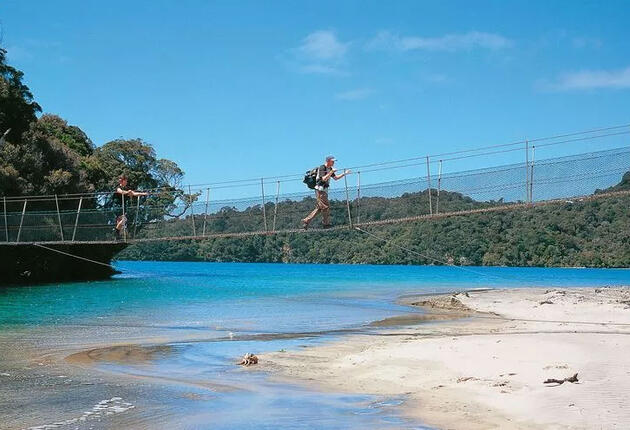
(315, 211)
(310, 216)
(324, 207)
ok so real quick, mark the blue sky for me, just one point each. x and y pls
(232, 89)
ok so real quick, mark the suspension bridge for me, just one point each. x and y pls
(425, 188)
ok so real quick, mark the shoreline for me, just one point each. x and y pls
(74, 372)
(487, 369)
(471, 360)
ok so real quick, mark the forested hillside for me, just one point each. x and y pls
(593, 233)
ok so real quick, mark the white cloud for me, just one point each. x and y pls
(357, 94)
(320, 52)
(385, 40)
(592, 79)
(323, 45)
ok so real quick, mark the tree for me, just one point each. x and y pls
(41, 163)
(17, 107)
(38, 156)
(133, 158)
(69, 135)
(137, 160)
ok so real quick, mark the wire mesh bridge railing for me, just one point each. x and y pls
(355, 200)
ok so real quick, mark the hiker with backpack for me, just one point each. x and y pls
(319, 180)
(121, 220)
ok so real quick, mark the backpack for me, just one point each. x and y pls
(310, 178)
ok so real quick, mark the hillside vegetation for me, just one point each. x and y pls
(592, 233)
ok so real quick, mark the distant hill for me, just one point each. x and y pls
(623, 185)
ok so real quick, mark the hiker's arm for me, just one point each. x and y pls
(345, 172)
(122, 192)
(138, 193)
(328, 175)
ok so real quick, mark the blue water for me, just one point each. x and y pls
(265, 297)
(212, 313)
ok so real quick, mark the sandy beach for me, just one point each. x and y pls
(486, 367)
(472, 360)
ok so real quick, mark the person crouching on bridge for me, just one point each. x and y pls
(324, 173)
(122, 190)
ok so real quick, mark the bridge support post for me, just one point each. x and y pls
(358, 217)
(262, 189)
(124, 214)
(21, 221)
(439, 185)
(76, 221)
(531, 176)
(135, 220)
(6, 225)
(526, 171)
(192, 211)
(275, 208)
(429, 186)
(205, 215)
(59, 218)
(345, 179)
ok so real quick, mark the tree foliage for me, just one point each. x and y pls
(137, 160)
(18, 109)
(40, 163)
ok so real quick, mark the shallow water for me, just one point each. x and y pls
(204, 316)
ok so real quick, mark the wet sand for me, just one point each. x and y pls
(486, 369)
(83, 384)
(41, 390)
(121, 354)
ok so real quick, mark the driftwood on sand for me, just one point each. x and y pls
(249, 359)
(571, 379)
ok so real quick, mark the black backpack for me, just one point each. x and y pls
(310, 178)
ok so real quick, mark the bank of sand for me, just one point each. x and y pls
(487, 370)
